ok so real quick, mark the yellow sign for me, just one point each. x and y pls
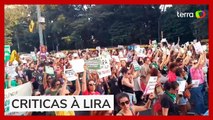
(31, 26)
(14, 56)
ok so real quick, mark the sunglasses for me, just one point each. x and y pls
(124, 103)
(92, 84)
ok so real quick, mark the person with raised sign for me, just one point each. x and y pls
(197, 92)
(88, 87)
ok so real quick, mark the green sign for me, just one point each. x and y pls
(7, 52)
(93, 64)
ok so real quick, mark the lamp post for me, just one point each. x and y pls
(39, 25)
(159, 23)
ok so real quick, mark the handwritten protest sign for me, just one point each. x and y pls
(93, 64)
(105, 68)
(182, 85)
(198, 47)
(137, 67)
(70, 74)
(21, 90)
(104, 72)
(49, 70)
(77, 65)
(195, 83)
(150, 87)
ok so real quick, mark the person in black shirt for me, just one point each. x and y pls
(168, 101)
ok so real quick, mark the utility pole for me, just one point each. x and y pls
(39, 25)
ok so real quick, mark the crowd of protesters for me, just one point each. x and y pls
(168, 62)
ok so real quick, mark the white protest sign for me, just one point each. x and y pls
(167, 52)
(150, 87)
(198, 47)
(137, 48)
(164, 40)
(104, 73)
(204, 47)
(11, 71)
(187, 43)
(70, 74)
(98, 48)
(49, 70)
(60, 55)
(154, 42)
(121, 54)
(195, 83)
(120, 46)
(105, 68)
(141, 53)
(123, 59)
(189, 53)
(77, 65)
(182, 50)
(182, 85)
(106, 54)
(116, 58)
(21, 90)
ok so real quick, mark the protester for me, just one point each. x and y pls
(168, 101)
(128, 109)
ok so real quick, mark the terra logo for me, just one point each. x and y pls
(198, 14)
